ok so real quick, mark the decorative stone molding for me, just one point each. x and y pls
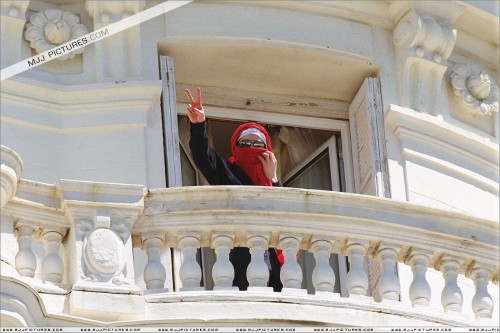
(11, 169)
(14, 8)
(423, 44)
(107, 12)
(104, 253)
(54, 27)
(100, 241)
(115, 60)
(475, 88)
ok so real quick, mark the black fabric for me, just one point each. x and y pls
(220, 172)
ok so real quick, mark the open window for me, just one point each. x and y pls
(312, 153)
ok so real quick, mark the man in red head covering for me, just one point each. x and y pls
(252, 163)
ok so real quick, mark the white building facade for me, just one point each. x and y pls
(384, 119)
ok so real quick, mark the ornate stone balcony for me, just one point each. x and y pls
(68, 256)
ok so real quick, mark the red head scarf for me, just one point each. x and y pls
(246, 158)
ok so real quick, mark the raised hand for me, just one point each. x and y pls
(195, 111)
(269, 164)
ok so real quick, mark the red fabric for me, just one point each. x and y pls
(281, 257)
(246, 158)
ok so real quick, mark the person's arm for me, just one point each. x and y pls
(211, 165)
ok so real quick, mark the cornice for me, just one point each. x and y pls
(84, 98)
(407, 123)
(81, 108)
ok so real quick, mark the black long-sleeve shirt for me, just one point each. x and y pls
(218, 171)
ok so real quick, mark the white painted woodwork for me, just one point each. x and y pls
(482, 303)
(170, 123)
(366, 122)
(291, 272)
(420, 290)
(257, 270)
(269, 103)
(223, 271)
(388, 284)
(323, 276)
(52, 265)
(25, 258)
(190, 271)
(357, 278)
(154, 272)
(451, 296)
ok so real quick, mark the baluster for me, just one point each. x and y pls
(451, 296)
(52, 266)
(291, 273)
(257, 271)
(25, 258)
(357, 279)
(154, 272)
(420, 290)
(388, 285)
(223, 271)
(190, 271)
(482, 303)
(323, 277)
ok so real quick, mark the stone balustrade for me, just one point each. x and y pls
(326, 223)
(86, 232)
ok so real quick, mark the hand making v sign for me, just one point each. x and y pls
(195, 111)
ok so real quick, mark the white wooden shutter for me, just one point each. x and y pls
(369, 154)
(368, 141)
(170, 125)
(171, 147)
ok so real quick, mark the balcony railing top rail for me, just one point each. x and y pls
(312, 214)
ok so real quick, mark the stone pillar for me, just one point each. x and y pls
(190, 271)
(223, 271)
(53, 266)
(357, 279)
(323, 276)
(257, 270)
(25, 258)
(451, 296)
(291, 273)
(482, 303)
(420, 290)
(388, 285)
(154, 272)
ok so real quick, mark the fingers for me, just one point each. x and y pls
(198, 95)
(190, 97)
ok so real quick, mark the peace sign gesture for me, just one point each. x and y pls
(195, 111)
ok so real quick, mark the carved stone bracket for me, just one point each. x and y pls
(54, 27)
(423, 44)
(475, 88)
